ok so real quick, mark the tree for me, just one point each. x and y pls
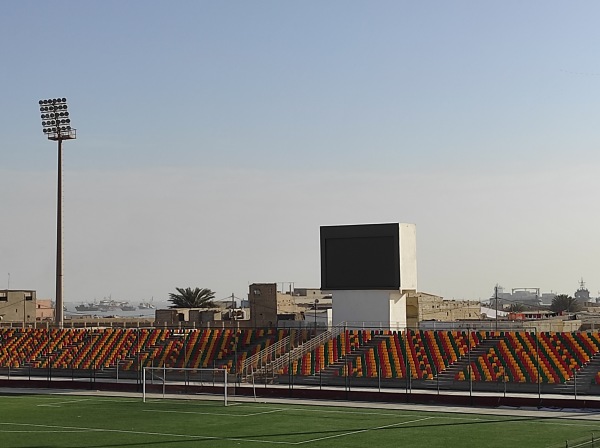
(564, 302)
(192, 298)
(516, 308)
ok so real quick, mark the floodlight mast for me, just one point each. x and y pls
(56, 125)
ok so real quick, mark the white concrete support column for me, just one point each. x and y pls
(370, 308)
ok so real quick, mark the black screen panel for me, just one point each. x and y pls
(360, 257)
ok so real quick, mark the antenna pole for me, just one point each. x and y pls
(496, 296)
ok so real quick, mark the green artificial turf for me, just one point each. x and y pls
(44, 421)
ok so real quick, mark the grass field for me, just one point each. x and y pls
(44, 421)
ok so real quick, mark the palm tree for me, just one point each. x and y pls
(516, 308)
(192, 298)
(564, 302)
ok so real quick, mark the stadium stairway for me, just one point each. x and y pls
(447, 376)
(332, 370)
(246, 349)
(585, 377)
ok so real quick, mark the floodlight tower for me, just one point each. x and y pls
(56, 125)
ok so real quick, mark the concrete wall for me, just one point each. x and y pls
(557, 325)
(408, 256)
(17, 305)
(166, 317)
(376, 308)
(307, 295)
(188, 317)
(44, 310)
(428, 307)
(397, 311)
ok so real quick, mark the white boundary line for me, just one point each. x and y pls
(212, 413)
(74, 429)
(552, 419)
(576, 414)
(59, 403)
(361, 430)
(29, 431)
(145, 433)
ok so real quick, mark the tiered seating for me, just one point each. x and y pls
(519, 356)
(431, 352)
(452, 344)
(192, 355)
(569, 352)
(591, 340)
(386, 361)
(397, 355)
(63, 355)
(364, 365)
(303, 366)
(107, 353)
(527, 357)
(554, 367)
(510, 360)
(577, 348)
(371, 363)
(421, 359)
(425, 352)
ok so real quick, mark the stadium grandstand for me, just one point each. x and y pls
(548, 362)
(382, 342)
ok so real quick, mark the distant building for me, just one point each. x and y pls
(17, 305)
(531, 315)
(308, 296)
(268, 306)
(528, 297)
(44, 310)
(186, 317)
(547, 298)
(532, 299)
(421, 307)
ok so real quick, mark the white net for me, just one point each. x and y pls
(164, 382)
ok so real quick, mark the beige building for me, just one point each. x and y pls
(17, 305)
(267, 305)
(421, 306)
(44, 310)
(186, 317)
(307, 296)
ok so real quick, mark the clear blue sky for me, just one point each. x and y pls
(214, 138)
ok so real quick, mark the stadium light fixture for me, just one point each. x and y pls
(56, 125)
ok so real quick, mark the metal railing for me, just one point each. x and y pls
(267, 361)
(583, 442)
(265, 356)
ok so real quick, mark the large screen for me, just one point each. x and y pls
(363, 256)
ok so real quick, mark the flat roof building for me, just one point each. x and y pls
(17, 305)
